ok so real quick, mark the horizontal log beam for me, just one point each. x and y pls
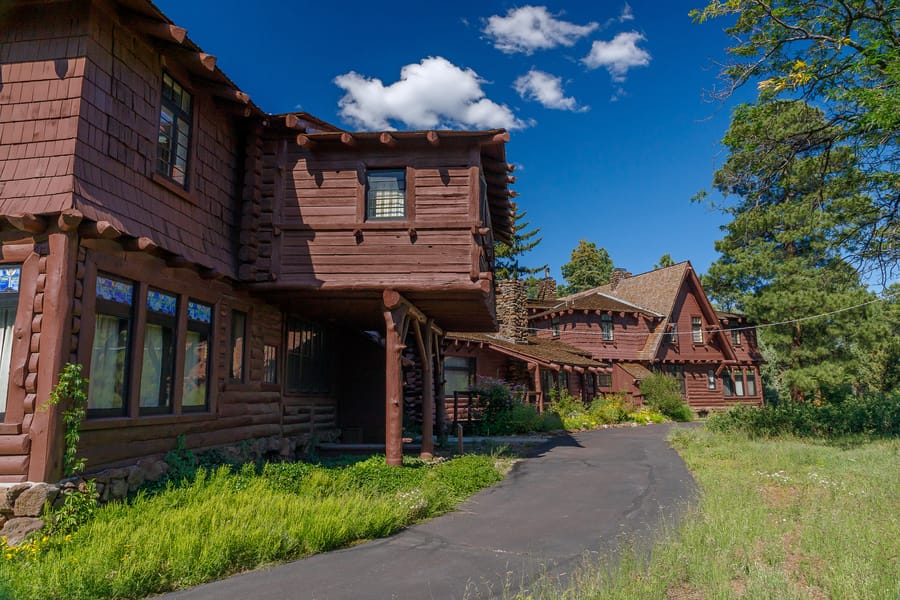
(305, 142)
(348, 140)
(387, 139)
(433, 138)
(69, 220)
(28, 222)
(141, 244)
(153, 27)
(225, 92)
(101, 230)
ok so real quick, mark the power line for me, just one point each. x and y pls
(726, 329)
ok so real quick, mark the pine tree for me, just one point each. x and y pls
(589, 267)
(507, 256)
(664, 261)
(779, 257)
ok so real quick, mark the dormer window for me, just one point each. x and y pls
(606, 327)
(735, 337)
(385, 194)
(697, 330)
(174, 143)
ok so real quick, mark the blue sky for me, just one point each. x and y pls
(611, 131)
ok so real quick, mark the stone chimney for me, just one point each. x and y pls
(511, 314)
(618, 276)
(546, 287)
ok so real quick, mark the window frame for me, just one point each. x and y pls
(156, 318)
(241, 362)
(750, 378)
(672, 333)
(697, 336)
(111, 308)
(470, 370)
(711, 379)
(9, 300)
(374, 218)
(604, 380)
(554, 326)
(728, 383)
(316, 337)
(202, 328)
(736, 337)
(270, 364)
(179, 115)
(607, 328)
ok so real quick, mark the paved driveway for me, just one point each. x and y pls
(579, 494)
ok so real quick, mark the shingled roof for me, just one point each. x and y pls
(546, 352)
(592, 300)
(656, 290)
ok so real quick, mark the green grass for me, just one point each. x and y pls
(224, 522)
(777, 518)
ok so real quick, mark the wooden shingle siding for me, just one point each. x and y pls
(117, 147)
(41, 73)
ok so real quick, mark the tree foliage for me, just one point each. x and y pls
(665, 260)
(843, 57)
(781, 255)
(507, 256)
(588, 267)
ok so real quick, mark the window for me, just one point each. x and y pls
(563, 379)
(604, 380)
(727, 383)
(195, 391)
(711, 379)
(307, 359)
(554, 325)
(158, 362)
(672, 333)
(738, 382)
(386, 194)
(606, 327)
(173, 148)
(9, 300)
(735, 337)
(108, 392)
(677, 371)
(238, 337)
(751, 383)
(459, 374)
(697, 330)
(270, 364)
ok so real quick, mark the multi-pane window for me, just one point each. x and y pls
(554, 325)
(735, 337)
(672, 333)
(386, 194)
(727, 383)
(108, 392)
(158, 362)
(9, 300)
(174, 142)
(697, 330)
(238, 339)
(711, 379)
(308, 369)
(751, 383)
(195, 390)
(459, 374)
(677, 371)
(738, 376)
(606, 327)
(604, 380)
(270, 364)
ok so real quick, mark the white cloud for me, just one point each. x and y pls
(431, 94)
(626, 14)
(618, 55)
(531, 28)
(546, 89)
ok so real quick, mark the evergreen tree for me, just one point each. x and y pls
(589, 267)
(780, 258)
(664, 261)
(844, 58)
(507, 256)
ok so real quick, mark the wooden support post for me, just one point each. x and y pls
(425, 343)
(537, 388)
(440, 401)
(395, 319)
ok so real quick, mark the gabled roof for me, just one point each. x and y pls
(592, 300)
(548, 353)
(636, 370)
(657, 290)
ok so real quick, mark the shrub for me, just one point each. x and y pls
(77, 509)
(611, 409)
(877, 415)
(503, 412)
(663, 395)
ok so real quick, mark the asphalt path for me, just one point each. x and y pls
(579, 496)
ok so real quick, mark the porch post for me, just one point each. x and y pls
(440, 416)
(395, 318)
(537, 387)
(425, 343)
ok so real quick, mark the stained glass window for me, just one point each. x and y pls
(162, 303)
(9, 279)
(201, 313)
(114, 290)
